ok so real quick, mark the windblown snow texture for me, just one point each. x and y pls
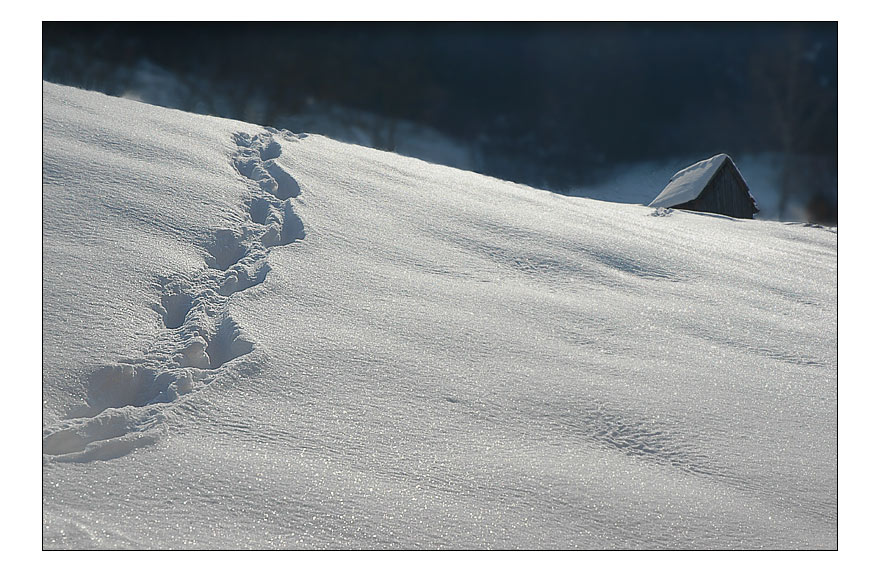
(255, 339)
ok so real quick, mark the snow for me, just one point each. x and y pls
(690, 182)
(260, 339)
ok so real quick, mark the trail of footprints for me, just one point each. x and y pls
(126, 401)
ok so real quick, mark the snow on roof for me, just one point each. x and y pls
(688, 183)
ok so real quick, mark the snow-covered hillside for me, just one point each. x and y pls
(259, 339)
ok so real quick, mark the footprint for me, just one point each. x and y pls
(286, 186)
(119, 385)
(259, 210)
(226, 250)
(228, 343)
(268, 147)
(174, 307)
(109, 435)
(292, 228)
(125, 400)
(244, 278)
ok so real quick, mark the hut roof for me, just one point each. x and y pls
(687, 184)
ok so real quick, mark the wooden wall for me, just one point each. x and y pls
(726, 194)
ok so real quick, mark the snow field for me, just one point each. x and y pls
(254, 339)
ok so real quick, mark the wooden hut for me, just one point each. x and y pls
(713, 185)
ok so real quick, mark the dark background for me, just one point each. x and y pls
(549, 104)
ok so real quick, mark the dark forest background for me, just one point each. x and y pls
(550, 104)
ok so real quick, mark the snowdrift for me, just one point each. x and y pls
(260, 339)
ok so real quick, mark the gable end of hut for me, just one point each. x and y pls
(725, 193)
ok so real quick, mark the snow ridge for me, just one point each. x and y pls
(127, 402)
